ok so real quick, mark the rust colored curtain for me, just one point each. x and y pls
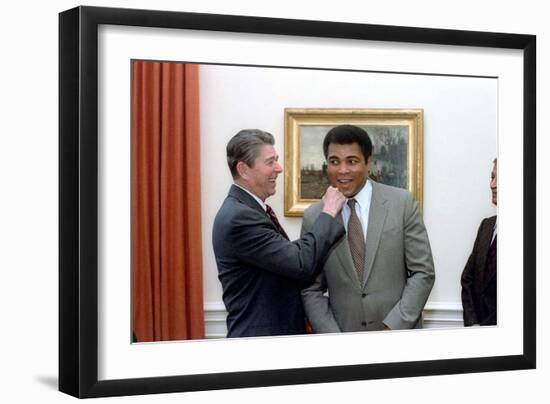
(166, 217)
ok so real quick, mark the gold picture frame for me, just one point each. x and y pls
(397, 135)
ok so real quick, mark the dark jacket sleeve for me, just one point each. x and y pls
(258, 244)
(468, 281)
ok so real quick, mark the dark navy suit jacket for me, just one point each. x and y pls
(479, 292)
(261, 271)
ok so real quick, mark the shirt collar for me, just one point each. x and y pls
(262, 203)
(364, 196)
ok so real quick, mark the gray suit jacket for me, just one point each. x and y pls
(398, 274)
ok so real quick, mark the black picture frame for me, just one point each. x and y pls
(78, 200)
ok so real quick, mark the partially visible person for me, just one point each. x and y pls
(479, 278)
(380, 275)
(260, 270)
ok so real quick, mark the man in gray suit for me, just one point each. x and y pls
(380, 275)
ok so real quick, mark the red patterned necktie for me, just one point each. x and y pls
(356, 240)
(275, 221)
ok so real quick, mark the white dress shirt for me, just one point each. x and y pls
(362, 207)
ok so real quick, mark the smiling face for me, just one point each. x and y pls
(260, 178)
(493, 184)
(347, 169)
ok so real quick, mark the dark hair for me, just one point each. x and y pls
(348, 134)
(245, 147)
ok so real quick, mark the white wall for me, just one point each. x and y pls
(28, 205)
(460, 121)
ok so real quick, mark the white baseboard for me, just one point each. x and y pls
(436, 315)
(443, 314)
(214, 320)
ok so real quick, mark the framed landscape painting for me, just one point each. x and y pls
(397, 159)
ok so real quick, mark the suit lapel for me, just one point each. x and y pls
(243, 197)
(377, 217)
(487, 282)
(486, 239)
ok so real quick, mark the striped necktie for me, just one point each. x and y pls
(275, 221)
(356, 241)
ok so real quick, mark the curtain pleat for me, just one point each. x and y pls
(166, 216)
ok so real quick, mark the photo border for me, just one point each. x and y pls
(78, 200)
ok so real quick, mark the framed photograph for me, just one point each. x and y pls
(396, 134)
(477, 93)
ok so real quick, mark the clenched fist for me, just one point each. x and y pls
(333, 201)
